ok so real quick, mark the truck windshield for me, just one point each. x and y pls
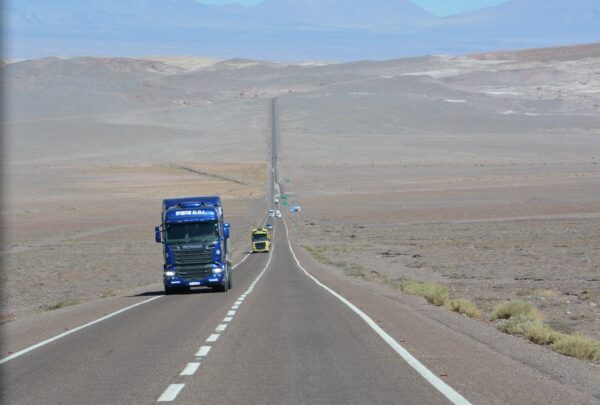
(192, 232)
(259, 237)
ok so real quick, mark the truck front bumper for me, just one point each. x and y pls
(260, 250)
(212, 280)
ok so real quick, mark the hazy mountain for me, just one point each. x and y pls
(535, 17)
(152, 14)
(288, 29)
(340, 13)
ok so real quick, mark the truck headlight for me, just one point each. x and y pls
(170, 273)
(218, 270)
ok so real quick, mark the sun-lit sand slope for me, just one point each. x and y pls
(480, 172)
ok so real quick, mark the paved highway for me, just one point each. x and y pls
(278, 337)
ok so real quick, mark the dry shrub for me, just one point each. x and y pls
(434, 293)
(516, 308)
(579, 346)
(464, 307)
(412, 287)
(534, 330)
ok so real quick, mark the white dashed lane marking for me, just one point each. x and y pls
(173, 390)
(213, 337)
(190, 369)
(171, 393)
(203, 351)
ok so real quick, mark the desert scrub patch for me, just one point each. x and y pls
(353, 270)
(538, 293)
(350, 269)
(582, 347)
(464, 307)
(434, 293)
(62, 304)
(534, 330)
(516, 308)
(318, 252)
(587, 295)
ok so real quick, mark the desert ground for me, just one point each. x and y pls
(480, 172)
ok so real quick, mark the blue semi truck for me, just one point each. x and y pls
(194, 237)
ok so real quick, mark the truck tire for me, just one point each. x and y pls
(229, 282)
(169, 290)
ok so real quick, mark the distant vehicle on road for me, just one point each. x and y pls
(261, 240)
(272, 213)
(269, 226)
(277, 201)
(278, 213)
(194, 237)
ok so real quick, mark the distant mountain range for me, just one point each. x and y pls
(288, 29)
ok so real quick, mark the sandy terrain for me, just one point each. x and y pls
(480, 172)
(476, 173)
(85, 177)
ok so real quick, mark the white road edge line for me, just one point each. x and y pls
(227, 319)
(434, 380)
(221, 327)
(190, 369)
(231, 313)
(77, 329)
(171, 393)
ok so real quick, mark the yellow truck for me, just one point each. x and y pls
(261, 240)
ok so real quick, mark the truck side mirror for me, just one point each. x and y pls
(157, 236)
(226, 231)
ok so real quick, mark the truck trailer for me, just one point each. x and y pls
(194, 236)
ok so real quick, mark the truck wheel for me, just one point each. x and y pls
(169, 291)
(229, 282)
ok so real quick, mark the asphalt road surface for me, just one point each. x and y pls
(278, 336)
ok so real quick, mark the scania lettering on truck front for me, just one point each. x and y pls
(194, 237)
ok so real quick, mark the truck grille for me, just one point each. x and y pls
(189, 273)
(192, 256)
(260, 245)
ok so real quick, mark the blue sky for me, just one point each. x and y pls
(438, 7)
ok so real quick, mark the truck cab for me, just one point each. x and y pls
(261, 240)
(194, 237)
